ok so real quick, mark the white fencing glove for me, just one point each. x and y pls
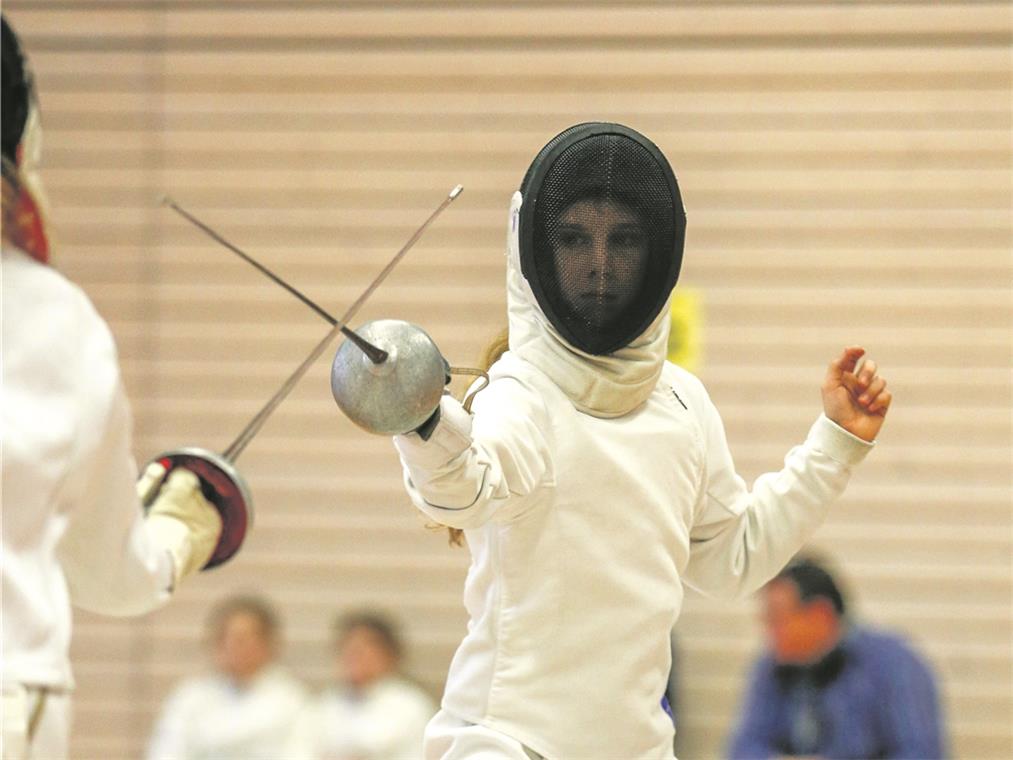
(180, 518)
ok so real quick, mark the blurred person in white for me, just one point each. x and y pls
(249, 708)
(74, 530)
(372, 713)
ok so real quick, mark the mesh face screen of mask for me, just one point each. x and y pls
(605, 237)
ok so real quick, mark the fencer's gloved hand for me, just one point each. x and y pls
(180, 518)
(425, 430)
(449, 437)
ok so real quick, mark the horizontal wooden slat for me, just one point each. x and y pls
(679, 67)
(476, 25)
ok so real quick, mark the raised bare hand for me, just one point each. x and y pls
(855, 400)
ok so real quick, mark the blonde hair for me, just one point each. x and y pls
(493, 350)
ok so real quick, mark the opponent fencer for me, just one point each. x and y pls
(74, 532)
(593, 480)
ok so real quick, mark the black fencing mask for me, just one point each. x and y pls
(18, 93)
(601, 234)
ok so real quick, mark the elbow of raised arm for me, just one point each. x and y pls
(731, 588)
(455, 504)
(135, 582)
(718, 570)
(462, 519)
(729, 571)
(117, 600)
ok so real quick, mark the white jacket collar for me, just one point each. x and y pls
(602, 386)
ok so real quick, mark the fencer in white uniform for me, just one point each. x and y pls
(593, 480)
(74, 532)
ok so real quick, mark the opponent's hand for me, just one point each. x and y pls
(858, 402)
(183, 521)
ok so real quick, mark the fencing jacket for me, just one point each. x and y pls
(72, 526)
(584, 527)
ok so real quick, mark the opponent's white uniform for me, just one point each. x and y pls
(384, 721)
(583, 529)
(73, 531)
(209, 718)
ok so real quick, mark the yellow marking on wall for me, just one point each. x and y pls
(685, 339)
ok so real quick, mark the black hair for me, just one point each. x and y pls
(16, 91)
(379, 624)
(246, 604)
(813, 581)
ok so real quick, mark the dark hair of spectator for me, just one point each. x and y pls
(379, 624)
(813, 582)
(254, 606)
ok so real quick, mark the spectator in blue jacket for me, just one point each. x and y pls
(831, 688)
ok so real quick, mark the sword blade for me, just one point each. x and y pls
(354, 308)
(376, 355)
(253, 427)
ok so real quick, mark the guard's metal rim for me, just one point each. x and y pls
(229, 470)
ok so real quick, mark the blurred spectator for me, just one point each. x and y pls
(372, 713)
(831, 688)
(249, 708)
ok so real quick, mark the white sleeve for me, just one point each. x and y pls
(741, 538)
(110, 563)
(482, 467)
